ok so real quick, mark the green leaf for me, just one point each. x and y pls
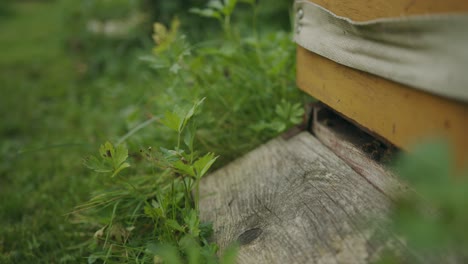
(173, 121)
(175, 68)
(252, 2)
(189, 138)
(278, 126)
(120, 156)
(215, 4)
(120, 168)
(230, 254)
(203, 164)
(297, 113)
(283, 109)
(170, 155)
(96, 165)
(107, 150)
(93, 258)
(169, 254)
(206, 12)
(429, 168)
(191, 112)
(229, 6)
(193, 222)
(112, 159)
(175, 225)
(154, 211)
(289, 114)
(192, 249)
(206, 229)
(184, 168)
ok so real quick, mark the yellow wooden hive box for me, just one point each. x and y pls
(396, 112)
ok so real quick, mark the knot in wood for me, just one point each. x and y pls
(248, 236)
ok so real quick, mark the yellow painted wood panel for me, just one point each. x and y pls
(362, 10)
(400, 114)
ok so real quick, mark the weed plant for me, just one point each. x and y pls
(52, 117)
(229, 73)
(432, 219)
(154, 216)
(248, 81)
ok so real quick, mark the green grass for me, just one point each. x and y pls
(42, 138)
(50, 121)
(52, 118)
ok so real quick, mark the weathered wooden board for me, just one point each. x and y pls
(362, 152)
(399, 114)
(372, 9)
(295, 201)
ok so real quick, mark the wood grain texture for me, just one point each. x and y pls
(401, 115)
(360, 10)
(294, 201)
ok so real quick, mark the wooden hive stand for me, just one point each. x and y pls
(324, 198)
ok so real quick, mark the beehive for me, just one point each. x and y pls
(398, 112)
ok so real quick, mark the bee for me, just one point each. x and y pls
(374, 149)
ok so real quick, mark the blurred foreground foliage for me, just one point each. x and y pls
(432, 220)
